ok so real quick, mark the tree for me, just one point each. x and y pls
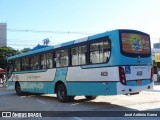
(6, 52)
(25, 50)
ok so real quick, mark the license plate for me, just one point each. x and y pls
(139, 81)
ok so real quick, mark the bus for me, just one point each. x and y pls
(110, 63)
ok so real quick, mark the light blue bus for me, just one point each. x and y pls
(109, 63)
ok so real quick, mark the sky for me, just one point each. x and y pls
(29, 22)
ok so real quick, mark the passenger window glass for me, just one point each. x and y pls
(94, 53)
(82, 55)
(49, 60)
(10, 66)
(79, 55)
(17, 65)
(25, 64)
(74, 53)
(100, 52)
(35, 63)
(43, 61)
(62, 58)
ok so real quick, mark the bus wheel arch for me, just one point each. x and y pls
(18, 88)
(61, 92)
(56, 85)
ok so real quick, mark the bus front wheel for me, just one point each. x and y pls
(62, 94)
(18, 89)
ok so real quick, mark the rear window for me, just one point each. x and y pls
(135, 44)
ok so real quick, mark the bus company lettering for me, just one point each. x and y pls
(104, 73)
(139, 67)
(32, 77)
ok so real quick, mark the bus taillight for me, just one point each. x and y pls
(122, 76)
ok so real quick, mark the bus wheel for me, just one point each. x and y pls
(62, 94)
(18, 89)
(90, 97)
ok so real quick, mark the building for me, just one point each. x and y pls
(156, 45)
(156, 63)
(3, 34)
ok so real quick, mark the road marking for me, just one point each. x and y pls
(31, 95)
(41, 101)
(77, 118)
(75, 104)
(22, 96)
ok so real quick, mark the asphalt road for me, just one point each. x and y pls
(145, 101)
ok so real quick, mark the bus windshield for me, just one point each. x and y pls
(135, 44)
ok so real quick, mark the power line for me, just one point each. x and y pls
(48, 31)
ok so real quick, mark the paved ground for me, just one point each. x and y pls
(145, 101)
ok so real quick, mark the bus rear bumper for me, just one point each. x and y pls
(122, 89)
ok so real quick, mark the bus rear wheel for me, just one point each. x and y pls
(18, 89)
(62, 94)
(90, 97)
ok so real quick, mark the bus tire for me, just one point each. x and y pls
(90, 97)
(62, 94)
(18, 89)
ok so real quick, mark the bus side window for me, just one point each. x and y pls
(17, 65)
(74, 53)
(43, 61)
(25, 64)
(49, 60)
(35, 62)
(79, 55)
(57, 59)
(10, 66)
(94, 53)
(82, 55)
(62, 58)
(100, 52)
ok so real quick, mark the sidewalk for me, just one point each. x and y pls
(156, 87)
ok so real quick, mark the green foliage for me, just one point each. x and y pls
(6, 52)
(25, 50)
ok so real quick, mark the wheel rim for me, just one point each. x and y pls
(61, 93)
(18, 88)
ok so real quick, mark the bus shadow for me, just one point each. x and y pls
(82, 102)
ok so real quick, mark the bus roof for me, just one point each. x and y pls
(42, 49)
(46, 48)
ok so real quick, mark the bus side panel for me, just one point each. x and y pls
(93, 88)
(93, 74)
(43, 87)
(61, 74)
(92, 81)
(35, 87)
(27, 86)
(38, 81)
(10, 85)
